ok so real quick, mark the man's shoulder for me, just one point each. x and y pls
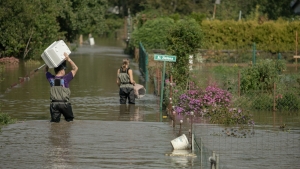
(69, 76)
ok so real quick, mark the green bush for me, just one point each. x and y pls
(6, 119)
(152, 34)
(272, 36)
(261, 76)
(288, 102)
(184, 39)
(262, 101)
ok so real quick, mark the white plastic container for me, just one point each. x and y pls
(53, 56)
(92, 41)
(180, 143)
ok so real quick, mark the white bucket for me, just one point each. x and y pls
(180, 143)
(92, 41)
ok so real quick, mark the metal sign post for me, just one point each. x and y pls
(164, 58)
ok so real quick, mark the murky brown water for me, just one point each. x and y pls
(94, 93)
(107, 135)
(103, 135)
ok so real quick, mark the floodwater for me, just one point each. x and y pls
(103, 133)
(94, 92)
(107, 135)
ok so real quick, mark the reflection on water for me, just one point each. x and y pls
(59, 152)
(130, 112)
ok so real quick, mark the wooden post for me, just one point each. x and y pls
(215, 6)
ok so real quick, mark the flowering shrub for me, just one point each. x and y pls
(213, 103)
(199, 101)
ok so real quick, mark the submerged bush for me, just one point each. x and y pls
(263, 102)
(287, 101)
(230, 117)
(6, 119)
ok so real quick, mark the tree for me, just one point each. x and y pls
(27, 27)
(82, 17)
(274, 9)
(153, 33)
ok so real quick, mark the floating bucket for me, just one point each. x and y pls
(180, 143)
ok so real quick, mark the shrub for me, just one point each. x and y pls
(230, 116)
(6, 119)
(262, 101)
(198, 101)
(288, 102)
(213, 103)
(261, 76)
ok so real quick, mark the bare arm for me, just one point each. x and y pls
(46, 69)
(131, 77)
(73, 65)
(118, 81)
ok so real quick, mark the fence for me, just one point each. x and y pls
(273, 142)
(143, 61)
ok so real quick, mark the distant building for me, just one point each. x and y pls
(295, 5)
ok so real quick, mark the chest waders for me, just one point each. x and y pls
(59, 96)
(126, 88)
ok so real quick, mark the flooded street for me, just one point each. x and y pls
(89, 144)
(103, 134)
(107, 135)
(94, 92)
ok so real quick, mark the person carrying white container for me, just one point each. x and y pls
(126, 83)
(60, 91)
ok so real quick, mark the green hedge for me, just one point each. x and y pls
(272, 36)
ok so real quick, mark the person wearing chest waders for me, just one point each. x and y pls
(125, 82)
(60, 91)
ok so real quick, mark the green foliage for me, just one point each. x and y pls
(27, 23)
(6, 119)
(199, 17)
(263, 102)
(230, 117)
(184, 39)
(29, 27)
(152, 34)
(269, 36)
(274, 9)
(228, 77)
(175, 17)
(288, 102)
(261, 76)
(88, 16)
(112, 25)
